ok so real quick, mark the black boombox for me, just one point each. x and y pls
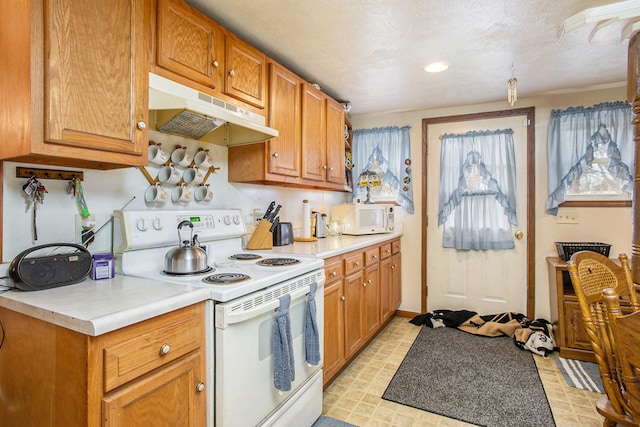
(50, 271)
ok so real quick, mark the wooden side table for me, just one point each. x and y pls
(568, 328)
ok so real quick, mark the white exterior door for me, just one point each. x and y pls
(485, 281)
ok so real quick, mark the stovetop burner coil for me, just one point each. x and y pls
(245, 256)
(226, 278)
(195, 273)
(277, 262)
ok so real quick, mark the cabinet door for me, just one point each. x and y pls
(172, 396)
(575, 332)
(396, 280)
(96, 77)
(353, 317)
(284, 115)
(245, 72)
(189, 43)
(333, 329)
(314, 161)
(371, 299)
(335, 142)
(386, 289)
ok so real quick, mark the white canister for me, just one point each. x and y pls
(168, 174)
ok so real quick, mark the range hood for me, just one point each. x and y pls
(181, 110)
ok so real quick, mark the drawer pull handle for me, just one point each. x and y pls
(334, 273)
(357, 264)
(165, 349)
(200, 388)
(375, 257)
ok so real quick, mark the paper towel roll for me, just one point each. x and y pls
(306, 219)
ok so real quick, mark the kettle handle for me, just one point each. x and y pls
(183, 224)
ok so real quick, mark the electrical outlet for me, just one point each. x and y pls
(567, 216)
(257, 216)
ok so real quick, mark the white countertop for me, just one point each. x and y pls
(330, 246)
(95, 307)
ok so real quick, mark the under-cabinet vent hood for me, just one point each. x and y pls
(181, 110)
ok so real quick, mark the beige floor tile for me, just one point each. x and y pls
(355, 396)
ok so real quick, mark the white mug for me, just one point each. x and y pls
(157, 155)
(181, 194)
(203, 159)
(156, 194)
(168, 174)
(180, 157)
(203, 194)
(193, 176)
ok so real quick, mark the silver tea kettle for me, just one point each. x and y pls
(188, 257)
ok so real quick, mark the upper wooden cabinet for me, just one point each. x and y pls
(74, 83)
(284, 115)
(335, 142)
(314, 154)
(245, 72)
(189, 43)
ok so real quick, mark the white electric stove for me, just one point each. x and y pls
(245, 289)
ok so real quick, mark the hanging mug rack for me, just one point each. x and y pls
(154, 180)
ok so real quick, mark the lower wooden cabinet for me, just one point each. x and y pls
(149, 373)
(362, 292)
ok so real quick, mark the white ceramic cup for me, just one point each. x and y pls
(157, 155)
(181, 194)
(203, 194)
(203, 159)
(193, 176)
(156, 194)
(169, 174)
(180, 157)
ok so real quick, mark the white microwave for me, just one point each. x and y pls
(362, 218)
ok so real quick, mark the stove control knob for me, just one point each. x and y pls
(227, 219)
(142, 224)
(158, 224)
(236, 219)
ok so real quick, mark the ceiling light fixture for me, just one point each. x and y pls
(436, 67)
(512, 93)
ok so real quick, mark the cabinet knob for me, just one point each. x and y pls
(200, 388)
(275, 154)
(342, 298)
(334, 274)
(165, 349)
(324, 167)
(330, 169)
(215, 63)
(375, 257)
(393, 266)
(141, 125)
(369, 281)
(364, 284)
(357, 264)
(232, 73)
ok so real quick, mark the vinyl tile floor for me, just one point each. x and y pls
(355, 396)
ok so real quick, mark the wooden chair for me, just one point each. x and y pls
(591, 273)
(624, 331)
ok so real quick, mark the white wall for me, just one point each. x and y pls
(106, 191)
(610, 225)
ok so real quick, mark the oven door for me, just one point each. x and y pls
(245, 394)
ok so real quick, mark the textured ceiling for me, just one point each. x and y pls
(372, 52)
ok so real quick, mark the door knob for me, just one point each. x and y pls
(519, 234)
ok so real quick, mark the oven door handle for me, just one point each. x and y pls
(224, 318)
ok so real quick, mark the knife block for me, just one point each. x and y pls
(262, 238)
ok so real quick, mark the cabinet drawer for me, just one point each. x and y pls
(385, 251)
(395, 246)
(352, 263)
(166, 338)
(333, 270)
(371, 256)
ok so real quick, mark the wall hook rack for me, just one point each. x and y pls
(22, 172)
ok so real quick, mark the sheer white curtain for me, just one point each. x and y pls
(478, 190)
(389, 149)
(576, 137)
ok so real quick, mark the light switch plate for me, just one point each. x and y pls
(567, 216)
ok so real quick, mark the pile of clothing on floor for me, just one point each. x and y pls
(533, 335)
